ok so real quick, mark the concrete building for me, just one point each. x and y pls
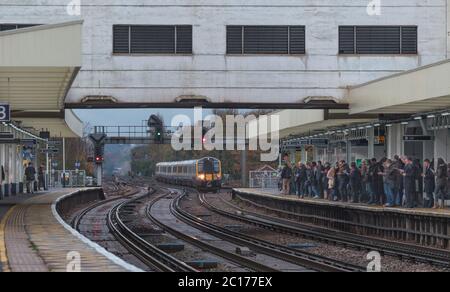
(212, 70)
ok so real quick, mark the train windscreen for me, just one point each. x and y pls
(209, 166)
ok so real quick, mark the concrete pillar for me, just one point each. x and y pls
(99, 174)
(448, 29)
(303, 158)
(394, 140)
(371, 143)
(441, 145)
(244, 170)
(348, 151)
(428, 150)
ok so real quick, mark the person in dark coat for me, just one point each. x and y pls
(300, 179)
(286, 175)
(419, 182)
(319, 179)
(399, 165)
(30, 175)
(355, 183)
(429, 181)
(374, 181)
(441, 184)
(409, 174)
(391, 185)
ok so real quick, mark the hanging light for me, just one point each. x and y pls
(418, 118)
(388, 125)
(405, 123)
(446, 114)
(432, 116)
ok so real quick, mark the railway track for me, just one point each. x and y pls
(312, 261)
(150, 255)
(396, 249)
(195, 241)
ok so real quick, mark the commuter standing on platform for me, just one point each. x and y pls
(300, 179)
(286, 175)
(319, 178)
(30, 175)
(355, 183)
(441, 184)
(41, 178)
(399, 165)
(325, 171)
(314, 181)
(429, 184)
(331, 175)
(391, 184)
(409, 174)
(343, 180)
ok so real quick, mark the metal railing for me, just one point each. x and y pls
(68, 179)
(264, 179)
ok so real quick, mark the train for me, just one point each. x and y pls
(204, 174)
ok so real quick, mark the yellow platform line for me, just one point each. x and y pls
(3, 251)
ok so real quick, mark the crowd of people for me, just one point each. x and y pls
(397, 182)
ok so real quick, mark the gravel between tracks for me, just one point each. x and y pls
(389, 264)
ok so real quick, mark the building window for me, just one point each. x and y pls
(152, 39)
(10, 26)
(378, 40)
(285, 40)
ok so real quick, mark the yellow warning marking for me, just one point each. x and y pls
(3, 252)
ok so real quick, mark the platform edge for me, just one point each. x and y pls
(116, 260)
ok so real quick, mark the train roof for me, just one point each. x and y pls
(185, 162)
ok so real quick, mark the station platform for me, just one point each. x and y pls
(34, 238)
(422, 226)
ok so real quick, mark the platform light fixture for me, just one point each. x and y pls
(446, 114)
(388, 125)
(377, 125)
(431, 116)
(405, 123)
(418, 118)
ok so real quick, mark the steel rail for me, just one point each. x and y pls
(232, 257)
(140, 248)
(308, 260)
(386, 247)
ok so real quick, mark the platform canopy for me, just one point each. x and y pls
(299, 122)
(421, 90)
(37, 68)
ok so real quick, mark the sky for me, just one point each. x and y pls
(128, 117)
(131, 117)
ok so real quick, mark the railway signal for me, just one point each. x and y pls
(156, 126)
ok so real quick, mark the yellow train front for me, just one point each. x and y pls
(204, 174)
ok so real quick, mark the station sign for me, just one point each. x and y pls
(5, 113)
(306, 142)
(417, 138)
(380, 140)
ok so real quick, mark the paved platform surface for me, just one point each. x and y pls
(33, 240)
(277, 194)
